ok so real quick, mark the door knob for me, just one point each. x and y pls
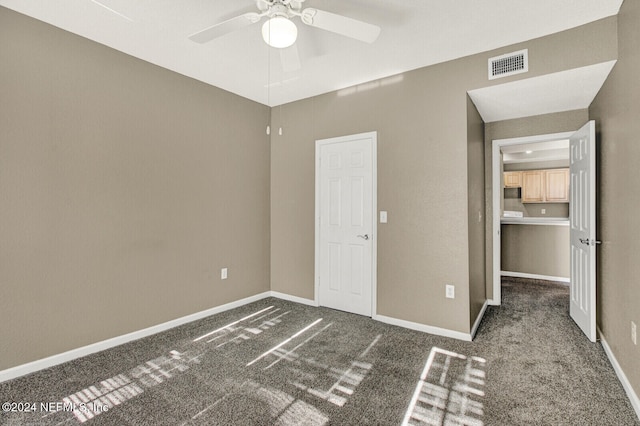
(364, 237)
(590, 242)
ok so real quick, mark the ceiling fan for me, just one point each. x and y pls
(280, 31)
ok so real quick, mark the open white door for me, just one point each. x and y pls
(345, 204)
(583, 229)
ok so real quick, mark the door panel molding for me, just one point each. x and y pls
(582, 165)
(356, 215)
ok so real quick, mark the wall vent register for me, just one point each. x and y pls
(509, 64)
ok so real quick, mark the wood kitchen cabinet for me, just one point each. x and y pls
(533, 186)
(557, 186)
(512, 179)
(545, 186)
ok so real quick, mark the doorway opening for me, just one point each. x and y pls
(582, 217)
(516, 155)
(535, 211)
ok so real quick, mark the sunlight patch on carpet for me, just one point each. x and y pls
(449, 392)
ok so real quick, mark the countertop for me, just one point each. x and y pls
(558, 221)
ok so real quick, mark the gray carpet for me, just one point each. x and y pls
(277, 362)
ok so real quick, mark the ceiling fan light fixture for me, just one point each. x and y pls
(279, 32)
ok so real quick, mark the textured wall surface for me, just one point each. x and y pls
(476, 211)
(616, 110)
(124, 188)
(536, 249)
(421, 119)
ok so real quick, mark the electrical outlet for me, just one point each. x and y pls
(543, 211)
(633, 333)
(223, 273)
(450, 291)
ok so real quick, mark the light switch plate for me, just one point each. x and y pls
(450, 291)
(223, 273)
(383, 217)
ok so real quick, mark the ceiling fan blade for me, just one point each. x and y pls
(340, 25)
(290, 58)
(225, 27)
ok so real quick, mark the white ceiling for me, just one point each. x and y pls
(536, 151)
(415, 33)
(562, 91)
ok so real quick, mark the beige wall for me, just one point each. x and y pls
(528, 126)
(616, 110)
(124, 189)
(421, 121)
(128, 187)
(475, 210)
(536, 249)
(533, 209)
(426, 226)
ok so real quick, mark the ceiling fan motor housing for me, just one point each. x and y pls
(288, 8)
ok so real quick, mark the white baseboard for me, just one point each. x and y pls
(53, 360)
(534, 276)
(394, 321)
(633, 397)
(295, 299)
(476, 324)
(424, 328)
(24, 369)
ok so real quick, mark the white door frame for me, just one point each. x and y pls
(373, 136)
(497, 190)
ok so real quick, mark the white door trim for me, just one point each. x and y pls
(373, 136)
(496, 190)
